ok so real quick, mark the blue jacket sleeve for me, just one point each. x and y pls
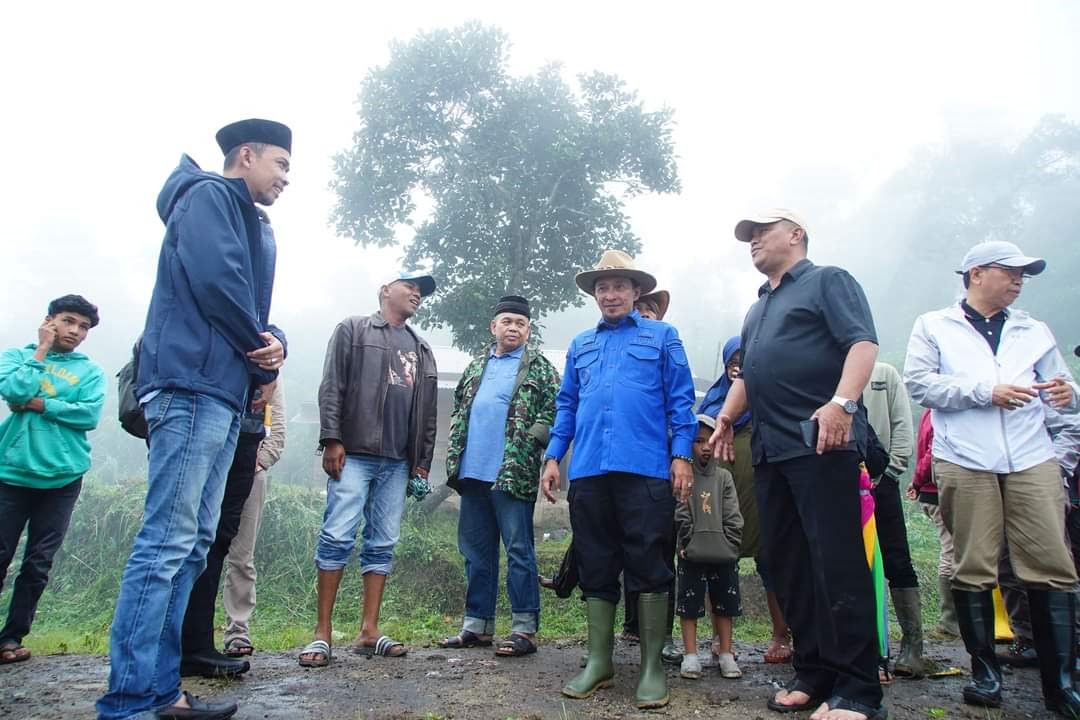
(566, 403)
(280, 335)
(679, 396)
(260, 376)
(214, 254)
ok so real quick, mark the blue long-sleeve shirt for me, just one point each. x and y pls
(626, 401)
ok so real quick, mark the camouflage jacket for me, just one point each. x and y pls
(532, 411)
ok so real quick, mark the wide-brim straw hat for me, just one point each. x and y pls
(662, 298)
(615, 263)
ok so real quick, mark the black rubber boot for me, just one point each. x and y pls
(1054, 632)
(975, 616)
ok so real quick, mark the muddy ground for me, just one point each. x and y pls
(474, 684)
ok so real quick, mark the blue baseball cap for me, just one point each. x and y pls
(426, 283)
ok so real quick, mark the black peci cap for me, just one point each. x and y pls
(254, 131)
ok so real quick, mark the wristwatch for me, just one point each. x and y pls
(850, 406)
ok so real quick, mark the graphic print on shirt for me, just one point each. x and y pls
(402, 371)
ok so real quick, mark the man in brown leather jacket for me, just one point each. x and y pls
(377, 425)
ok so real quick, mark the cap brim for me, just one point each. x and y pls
(706, 420)
(1030, 265)
(1035, 267)
(426, 283)
(744, 229)
(586, 281)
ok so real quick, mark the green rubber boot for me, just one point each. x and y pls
(598, 670)
(652, 689)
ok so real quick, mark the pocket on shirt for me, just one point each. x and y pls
(642, 364)
(585, 364)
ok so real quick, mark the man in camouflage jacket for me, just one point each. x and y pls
(504, 405)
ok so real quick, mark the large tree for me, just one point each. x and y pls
(509, 184)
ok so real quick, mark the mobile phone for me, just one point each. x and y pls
(809, 430)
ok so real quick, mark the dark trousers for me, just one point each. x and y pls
(198, 629)
(621, 523)
(811, 530)
(45, 514)
(892, 535)
(630, 598)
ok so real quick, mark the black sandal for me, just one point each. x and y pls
(516, 645)
(797, 685)
(464, 639)
(840, 703)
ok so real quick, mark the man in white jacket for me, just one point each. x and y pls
(987, 373)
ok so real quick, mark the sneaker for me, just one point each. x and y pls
(728, 667)
(691, 666)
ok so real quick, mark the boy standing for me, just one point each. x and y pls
(709, 530)
(55, 395)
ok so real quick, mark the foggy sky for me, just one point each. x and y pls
(805, 105)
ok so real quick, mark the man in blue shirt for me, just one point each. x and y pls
(626, 401)
(504, 405)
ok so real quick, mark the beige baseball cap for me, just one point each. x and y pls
(745, 227)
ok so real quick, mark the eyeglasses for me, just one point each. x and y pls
(1013, 272)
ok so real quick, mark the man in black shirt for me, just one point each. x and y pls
(809, 346)
(377, 416)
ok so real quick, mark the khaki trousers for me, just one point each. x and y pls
(239, 592)
(945, 556)
(981, 508)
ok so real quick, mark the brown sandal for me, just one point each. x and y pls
(779, 652)
(13, 652)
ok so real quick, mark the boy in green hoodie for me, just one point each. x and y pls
(55, 396)
(708, 526)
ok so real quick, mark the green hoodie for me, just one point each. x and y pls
(48, 449)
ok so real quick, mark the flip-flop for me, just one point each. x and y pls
(796, 685)
(840, 703)
(516, 645)
(778, 652)
(464, 639)
(239, 647)
(382, 647)
(16, 650)
(316, 647)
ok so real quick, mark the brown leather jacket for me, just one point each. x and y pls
(353, 390)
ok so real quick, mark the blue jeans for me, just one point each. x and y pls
(373, 488)
(486, 515)
(192, 441)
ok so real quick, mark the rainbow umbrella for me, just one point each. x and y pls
(874, 561)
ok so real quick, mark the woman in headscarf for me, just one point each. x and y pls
(779, 650)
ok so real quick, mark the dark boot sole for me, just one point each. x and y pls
(980, 700)
(211, 673)
(1062, 710)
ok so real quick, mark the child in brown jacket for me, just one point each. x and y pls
(709, 530)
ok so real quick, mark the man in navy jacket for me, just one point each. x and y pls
(206, 344)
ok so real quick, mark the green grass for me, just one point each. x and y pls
(424, 595)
